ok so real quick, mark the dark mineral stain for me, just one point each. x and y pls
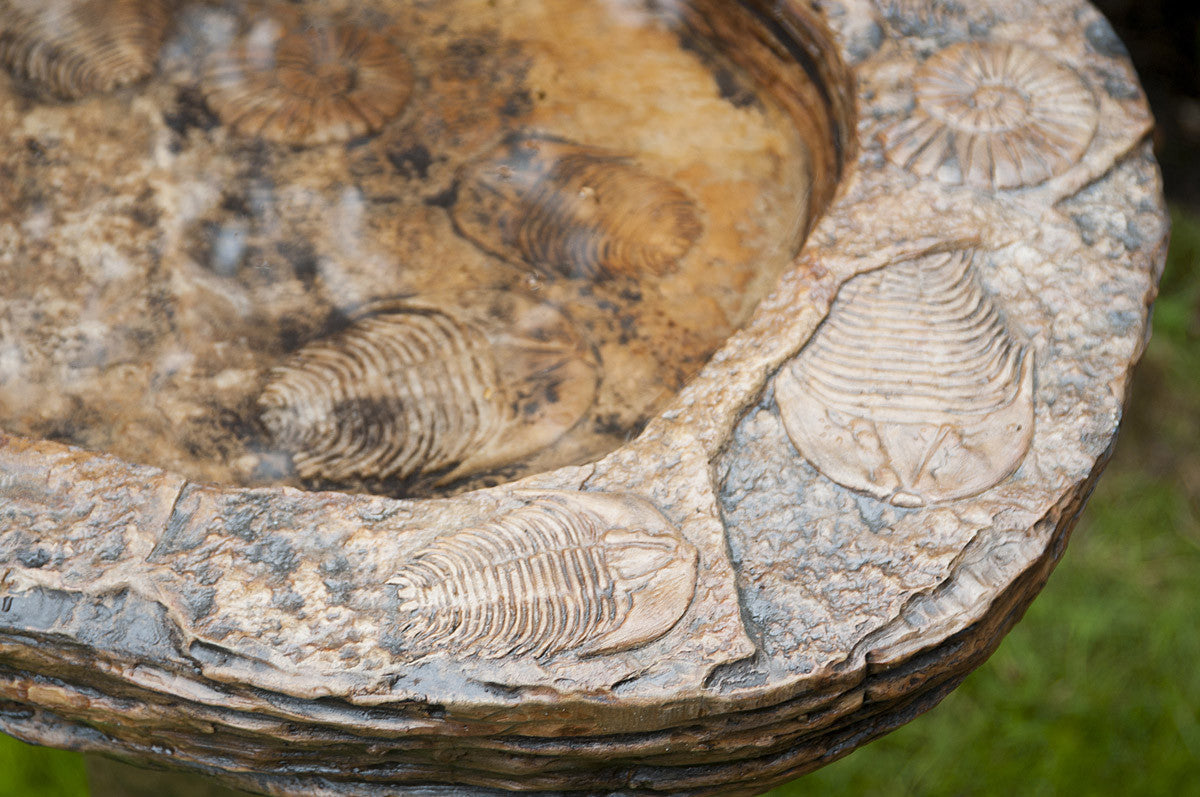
(445, 199)
(464, 57)
(144, 211)
(335, 565)
(234, 424)
(235, 203)
(191, 112)
(287, 600)
(124, 625)
(412, 161)
(111, 549)
(1104, 39)
(340, 590)
(72, 427)
(249, 516)
(732, 87)
(520, 103)
(276, 553)
(302, 257)
(865, 43)
(38, 557)
(37, 151)
(1119, 88)
(610, 424)
(199, 601)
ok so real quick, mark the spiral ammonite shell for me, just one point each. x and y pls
(574, 210)
(912, 389)
(77, 47)
(994, 116)
(590, 573)
(411, 389)
(307, 83)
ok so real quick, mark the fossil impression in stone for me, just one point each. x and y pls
(76, 47)
(590, 573)
(304, 82)
(994, 116)
(410, 389)
(912, 389)
(573, 210)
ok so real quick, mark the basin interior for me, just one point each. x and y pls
(402, 247)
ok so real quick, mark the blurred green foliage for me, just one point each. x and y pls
(27, 771)
(1097, 690)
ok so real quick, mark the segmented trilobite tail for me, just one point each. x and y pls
(393, 395)
(574, 210)
(75, 48)
(924, 336)
(912, 389)
(532, 583)
(594, 216)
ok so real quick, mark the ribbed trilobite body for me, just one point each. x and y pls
(913, 388)
(393, 395)
(549, 577)
(578, 211)
(76, 47)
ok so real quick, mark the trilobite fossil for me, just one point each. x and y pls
(302, 81)
(76, 47)
(912, 389)
(574, 210)
(589, 573)
(412, 388)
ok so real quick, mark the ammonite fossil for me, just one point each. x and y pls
(76, 47)
(574, 210)
(307, 82)
(411, 388)
(994, 116)
(912, 389)
(583, 572)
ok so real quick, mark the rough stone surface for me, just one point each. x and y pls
(252, 634)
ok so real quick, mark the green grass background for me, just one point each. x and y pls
(1097, 690)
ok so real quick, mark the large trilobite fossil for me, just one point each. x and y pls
(573, 210)
(589, 573)
(451, 387)
(77, 47)
(912, 389)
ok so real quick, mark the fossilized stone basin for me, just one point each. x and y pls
(396, 247)
(598, 397)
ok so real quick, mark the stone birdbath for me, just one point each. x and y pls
(494, 395)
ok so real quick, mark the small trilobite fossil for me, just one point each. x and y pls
(994, 116)
(573, 210)
(590, 573)
(415, 389)
(912, 389)
(300, 81)
(77, 47)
